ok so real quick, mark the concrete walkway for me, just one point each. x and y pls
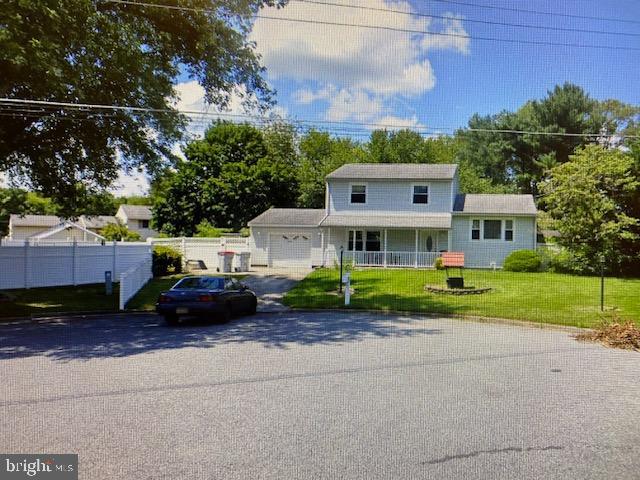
(270, 285)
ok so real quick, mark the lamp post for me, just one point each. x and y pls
(340, 279)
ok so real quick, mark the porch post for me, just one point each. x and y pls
(322, 245)
(328, 242)
(449, 240)
(385, 248)
(416, 259)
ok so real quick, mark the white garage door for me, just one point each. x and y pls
(290, 249)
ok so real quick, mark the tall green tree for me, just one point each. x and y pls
(593, 196)
(230, 176)
(101, 52)
(320, 155)
(523, 160)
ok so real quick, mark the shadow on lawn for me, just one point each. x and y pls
(120, 336)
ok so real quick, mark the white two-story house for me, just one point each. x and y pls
(395, 215)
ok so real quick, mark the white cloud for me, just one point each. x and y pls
(456, 37)
(391, 122)
(359, 72)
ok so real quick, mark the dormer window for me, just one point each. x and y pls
(358, 193)
(421, 194)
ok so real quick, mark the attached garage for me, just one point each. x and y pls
(289, 249)
(286, 238)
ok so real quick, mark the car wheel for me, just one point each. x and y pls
(254, 306)
(226, 313)
(172, 320)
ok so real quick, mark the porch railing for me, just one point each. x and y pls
(391, 259)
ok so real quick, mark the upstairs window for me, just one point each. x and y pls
(492, 229)
(358, 194)
(475, 230)
(508, 230)
(421, 194)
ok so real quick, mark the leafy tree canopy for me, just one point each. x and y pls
(120, 233)
(100, 52)
(230, 176)
(594, 196)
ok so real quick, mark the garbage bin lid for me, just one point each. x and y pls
(226, 253)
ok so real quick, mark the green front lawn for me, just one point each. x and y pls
(538, 297)
(81, 298)
(38, 301)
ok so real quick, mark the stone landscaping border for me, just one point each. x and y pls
(456, 291)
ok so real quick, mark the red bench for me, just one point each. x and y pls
(453, 260)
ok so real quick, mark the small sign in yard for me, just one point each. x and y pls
(346, 279)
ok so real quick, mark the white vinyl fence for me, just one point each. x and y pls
(66, 263)
(204, 249)
(133, 280)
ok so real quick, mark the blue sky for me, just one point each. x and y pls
(347, 74)
(481, 76)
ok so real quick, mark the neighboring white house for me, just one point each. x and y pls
(395, 215)
(137, 218)
(50, 227)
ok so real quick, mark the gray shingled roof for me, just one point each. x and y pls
(403, 171)
(299, 217)
(442, 220)
(137, 212)
(17, 220)
(495, 204)
(97, 221)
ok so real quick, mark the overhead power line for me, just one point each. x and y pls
(388, 28)
(536, 12)
(101, 109)
(470, 20)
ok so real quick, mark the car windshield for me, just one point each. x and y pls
(194, 283)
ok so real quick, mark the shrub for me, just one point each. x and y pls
(522, 261)
(120, 233)
(166, 260)
(439, 264)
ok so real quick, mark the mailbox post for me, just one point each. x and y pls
(108, 283)
(346, 279)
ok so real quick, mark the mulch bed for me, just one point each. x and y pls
(456, 291)
(615, 335)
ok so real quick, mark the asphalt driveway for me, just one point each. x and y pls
(319, 395)
(270, 285)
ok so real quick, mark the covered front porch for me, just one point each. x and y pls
(385, 247)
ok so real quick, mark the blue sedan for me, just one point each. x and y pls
(219, 298)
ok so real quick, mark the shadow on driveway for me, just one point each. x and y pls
(113, 336)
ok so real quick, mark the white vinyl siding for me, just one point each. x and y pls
(482, 253)
(390, 196)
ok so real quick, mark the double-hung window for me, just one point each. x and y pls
(508, 230)
(421, 194)
(358, 193)
(475, 230)
(355, 241)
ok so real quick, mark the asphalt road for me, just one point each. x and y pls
(319, 395)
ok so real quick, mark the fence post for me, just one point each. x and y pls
(27, 265)
(74, 252)
(114, 261)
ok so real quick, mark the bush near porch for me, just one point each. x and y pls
(538, 297)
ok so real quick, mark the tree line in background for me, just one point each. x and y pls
(586, 183)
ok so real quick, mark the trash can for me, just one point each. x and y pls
(225, 261)
(243, 261)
